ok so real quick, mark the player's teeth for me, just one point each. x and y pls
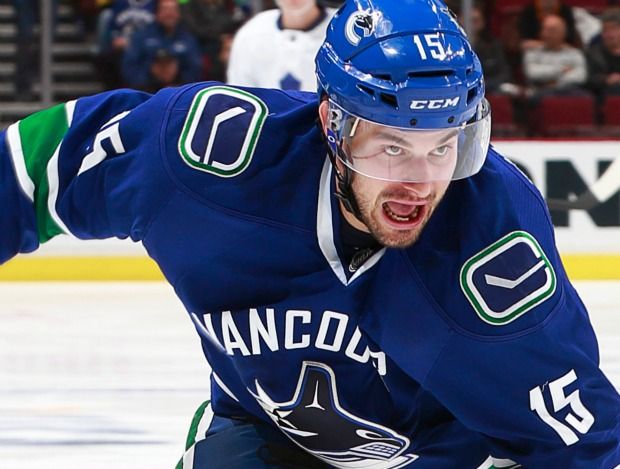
(400, 218)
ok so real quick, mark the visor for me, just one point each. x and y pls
(409, 155)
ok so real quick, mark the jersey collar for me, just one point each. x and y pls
(326, 230)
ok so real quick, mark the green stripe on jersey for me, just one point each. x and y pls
(40, 135)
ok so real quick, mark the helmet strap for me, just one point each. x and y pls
(344, 179)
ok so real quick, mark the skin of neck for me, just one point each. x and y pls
(294, 20)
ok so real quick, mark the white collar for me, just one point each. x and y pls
(325, 231)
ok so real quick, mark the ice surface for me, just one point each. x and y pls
(108, 375)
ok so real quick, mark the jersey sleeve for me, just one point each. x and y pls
(89, 168)
(541, 399)
(521, 364)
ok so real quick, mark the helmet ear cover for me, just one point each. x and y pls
(344, 176)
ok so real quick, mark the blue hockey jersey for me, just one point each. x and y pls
(470, 343)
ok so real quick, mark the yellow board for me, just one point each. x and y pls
(592, 266)
(578, 266)
(100, 268)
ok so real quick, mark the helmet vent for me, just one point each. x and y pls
(431, 74)
(471, 94)
(366, 89)
(390, 100)
(383, 76)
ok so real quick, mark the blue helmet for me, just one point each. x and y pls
(402, 63)
(406, 65)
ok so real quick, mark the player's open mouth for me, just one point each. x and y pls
(403, 216)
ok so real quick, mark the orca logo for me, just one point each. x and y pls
(315, 420)
(360, 24)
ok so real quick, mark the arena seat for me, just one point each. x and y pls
(566, 116)
(611, 116)
(502, 116)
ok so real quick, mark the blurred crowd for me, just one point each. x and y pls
(533, 51)
(552, 67)
(149, 44)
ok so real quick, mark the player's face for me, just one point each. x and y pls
(393, 154)
(296, 7)
(395, 213)
(398, 176)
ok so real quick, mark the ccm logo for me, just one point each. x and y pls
(435, 103)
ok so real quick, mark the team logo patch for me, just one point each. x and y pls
(359, 25)
(221, 130)
(315, 420)
(508, 278)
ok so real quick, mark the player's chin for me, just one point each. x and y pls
(400, 235)
(397, 238)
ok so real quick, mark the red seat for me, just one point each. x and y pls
(510, 6)
(566, 116)
(502, 116)
(611, 116)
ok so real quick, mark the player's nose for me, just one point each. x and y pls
(420, 190)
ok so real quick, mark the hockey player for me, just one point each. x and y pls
(276, 48)
(397, 303)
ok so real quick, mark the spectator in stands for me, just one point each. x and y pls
(219, 64)
(115, 26)
(207, 20)
(604, 57)
(161, 48)
(276, 48)
(588, 26)
(497, 73)
(87, 12)
(531, 19)
(555, 66)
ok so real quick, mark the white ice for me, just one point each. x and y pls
(108, 375)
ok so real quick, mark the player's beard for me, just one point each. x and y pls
(370, 212)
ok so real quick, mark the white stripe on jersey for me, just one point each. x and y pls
(53, 178)
(19, 163)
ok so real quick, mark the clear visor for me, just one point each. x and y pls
(408, 155)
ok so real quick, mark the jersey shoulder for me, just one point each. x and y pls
(265, 22)
(245, 150)
(493, 237)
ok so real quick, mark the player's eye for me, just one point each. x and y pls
(393, 150)
(441, 151)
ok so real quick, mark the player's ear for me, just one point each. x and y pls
(323, 115)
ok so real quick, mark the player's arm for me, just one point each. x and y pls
(82, 168)
(521, 365)
(537, 69)
(541, 399)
